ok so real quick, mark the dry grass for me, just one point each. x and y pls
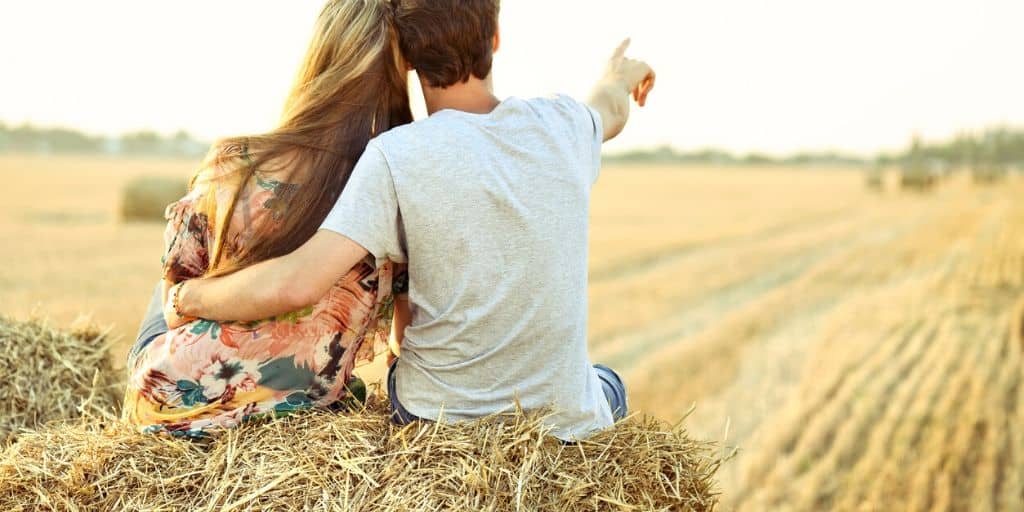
(640, 213)
(989, 174)
(65, 251)
(874, 179)
(1018, 323)
(879, 368)
(49, 375)
(859, 347)
(324, 461)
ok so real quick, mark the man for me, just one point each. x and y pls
(488, 203)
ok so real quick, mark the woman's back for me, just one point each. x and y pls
(208, 374)
(351, 86)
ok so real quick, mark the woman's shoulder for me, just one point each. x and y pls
(211, 184)
(223, 162)
(227, 174)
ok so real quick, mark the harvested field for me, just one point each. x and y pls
(861, 349)
(66, 252)
(873, 363)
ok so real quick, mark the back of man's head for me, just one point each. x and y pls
(448, 41)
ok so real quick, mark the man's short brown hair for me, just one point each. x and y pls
(447, 41)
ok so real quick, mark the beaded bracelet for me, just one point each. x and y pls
(175, 303)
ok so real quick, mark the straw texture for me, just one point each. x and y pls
(51, 375)
(317, 460)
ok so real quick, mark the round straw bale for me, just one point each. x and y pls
(358, 461)
(917, 178)
(145, 198)
(51, 375)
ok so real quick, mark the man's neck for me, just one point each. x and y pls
(475, 96)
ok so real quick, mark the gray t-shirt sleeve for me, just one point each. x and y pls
(367, 211)
(588, 121)
(597, 138)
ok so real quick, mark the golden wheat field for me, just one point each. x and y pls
(858, 350)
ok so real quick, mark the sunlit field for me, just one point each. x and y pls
(856, 349)
(65, 250)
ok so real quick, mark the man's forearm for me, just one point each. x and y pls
(273, 287)
(262, 291)
(611, 99)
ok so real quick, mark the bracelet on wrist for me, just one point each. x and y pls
(175, 299)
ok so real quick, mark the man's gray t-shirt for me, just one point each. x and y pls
(491, 213)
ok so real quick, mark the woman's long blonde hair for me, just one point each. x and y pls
(351, 87)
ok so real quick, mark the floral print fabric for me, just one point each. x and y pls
(207, 375)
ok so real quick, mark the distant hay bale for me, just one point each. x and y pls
(917, 178)
(326, 461)
(145, 198)
(50, 375)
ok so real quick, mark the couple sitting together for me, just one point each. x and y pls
(463, 235)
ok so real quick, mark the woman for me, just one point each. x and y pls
(261, 197)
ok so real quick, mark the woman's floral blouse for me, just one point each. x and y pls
(207, 375)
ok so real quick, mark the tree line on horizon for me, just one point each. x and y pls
(994, 147)
(29, 139)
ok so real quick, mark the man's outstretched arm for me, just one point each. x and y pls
(622, 78)
(273, 287)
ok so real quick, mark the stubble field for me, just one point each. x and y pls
(859, 350)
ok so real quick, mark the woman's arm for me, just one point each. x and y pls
(171, 316)
(186, 254)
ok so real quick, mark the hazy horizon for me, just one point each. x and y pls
(739, 75)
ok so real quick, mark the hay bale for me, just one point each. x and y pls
(52, 375)
(145, 198)
(318, 460)
(325, 461)
(917, 178)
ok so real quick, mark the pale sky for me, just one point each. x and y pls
(744, 75)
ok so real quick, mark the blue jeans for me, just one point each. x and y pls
(614, 391)
(611, 383)
(153, 324)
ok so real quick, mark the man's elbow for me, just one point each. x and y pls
(294, 294)
(304, 277)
